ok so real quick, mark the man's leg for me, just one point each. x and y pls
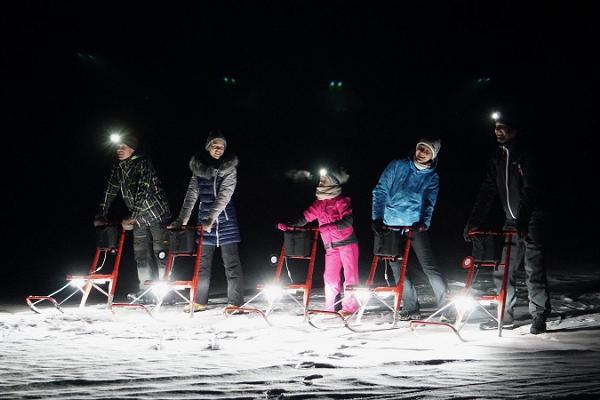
(160, 244)
(142, 249)
(421, 245)
(234, 274)
(537, 285)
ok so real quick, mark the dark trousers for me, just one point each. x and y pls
(233, 272)
(421, 246)
(526, 250)
(148, 241)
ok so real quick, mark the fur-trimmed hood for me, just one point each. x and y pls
(204, 166)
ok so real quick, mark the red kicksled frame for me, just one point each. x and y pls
(160, 288)
(85, 283)
(274, 291)
(465, 304)
(363, 294)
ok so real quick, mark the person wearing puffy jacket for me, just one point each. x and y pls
(213, 182)
(405, 196)
(333, 211)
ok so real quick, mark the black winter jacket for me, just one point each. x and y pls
(514, 175)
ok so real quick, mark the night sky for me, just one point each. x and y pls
(71, 72)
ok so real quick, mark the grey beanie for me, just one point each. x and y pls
(130, 141)
(337, 176)
(214, 135)
(432, 144)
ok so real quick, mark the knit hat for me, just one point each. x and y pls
(432, 144)
(509, 117)
(337, 176)
(214, 135)
(130, 141)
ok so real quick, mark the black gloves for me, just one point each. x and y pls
(419, 227)
(469, 228)
(299, 222)
(128, 224)
(99, 220)
(175, 225)
(522, 227)
(377, 225)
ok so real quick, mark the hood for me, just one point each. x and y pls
(203, 165)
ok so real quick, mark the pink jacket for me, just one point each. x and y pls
(335, 220)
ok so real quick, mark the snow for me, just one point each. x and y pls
(95, 354)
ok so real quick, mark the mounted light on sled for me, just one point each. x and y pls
(78, 283)
(362, 294)
(465, 303)
(273, 292)
(161, 289)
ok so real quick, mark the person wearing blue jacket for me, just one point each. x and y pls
(405, 196)
(213, 182)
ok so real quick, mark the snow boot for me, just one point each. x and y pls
(538, 325)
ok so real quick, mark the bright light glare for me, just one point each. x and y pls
(115, 138)
(496, 116)
(78, 283)
(465, 303)
(273, 292)
(274, 259)
(160, 289)
(323, 172)
(362, 294)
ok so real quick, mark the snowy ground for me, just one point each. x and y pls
(94, 354)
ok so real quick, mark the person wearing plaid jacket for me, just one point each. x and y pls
(134, 177)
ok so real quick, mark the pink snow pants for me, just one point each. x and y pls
(345, 257)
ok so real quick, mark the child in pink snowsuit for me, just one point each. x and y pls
(334, 213)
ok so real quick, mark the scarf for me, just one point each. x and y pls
(420, 166)
(328, 192)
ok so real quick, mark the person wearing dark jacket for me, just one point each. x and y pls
(213, 182)
(134, 176)
(513, 177)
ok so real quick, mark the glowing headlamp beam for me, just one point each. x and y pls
(115, 138)
(323, 172)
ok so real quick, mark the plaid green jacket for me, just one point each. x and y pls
(138, 183)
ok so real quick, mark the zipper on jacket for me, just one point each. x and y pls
(506, 182)
(217, 231)
(217, 217)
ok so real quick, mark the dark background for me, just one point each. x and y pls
(70, 72)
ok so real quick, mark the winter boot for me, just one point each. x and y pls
(538, 325)
(409, 315)
(345, 314)
(492, 324)
(197, 308)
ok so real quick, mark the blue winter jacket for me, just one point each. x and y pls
(405, 195)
